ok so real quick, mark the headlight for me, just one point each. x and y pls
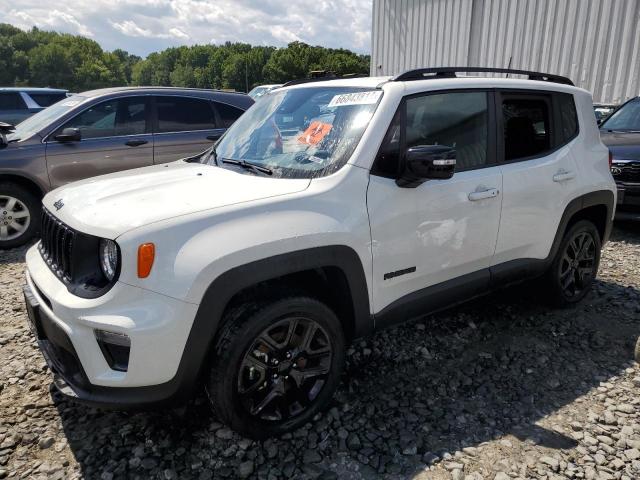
(108, 258)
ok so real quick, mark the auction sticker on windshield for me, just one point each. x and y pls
(314, 133)
(357, 98)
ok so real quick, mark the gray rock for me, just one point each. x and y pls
(46, 442)
(311, 456)
(245, 469)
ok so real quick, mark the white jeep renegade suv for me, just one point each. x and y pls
(330, 209)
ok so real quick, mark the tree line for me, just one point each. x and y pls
(40, 58)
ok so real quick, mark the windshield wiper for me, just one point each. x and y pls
(248, 166)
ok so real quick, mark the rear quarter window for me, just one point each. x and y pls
(567, 116)
(47, 99)
(228, 114)
(11, 101)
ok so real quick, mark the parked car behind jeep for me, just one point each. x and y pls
(18, 103)
(99, 132)
(621, 133)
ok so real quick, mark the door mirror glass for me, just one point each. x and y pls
(425, 162)
(69, 135)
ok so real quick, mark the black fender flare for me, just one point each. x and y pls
(217, 296)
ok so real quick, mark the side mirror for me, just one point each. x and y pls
(5, 129)
(424, 162)
(69, 135)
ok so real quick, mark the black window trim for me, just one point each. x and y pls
(155, 122)
(492, 130)
(555, 122)
(147, 126)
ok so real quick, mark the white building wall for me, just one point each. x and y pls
(596, 43)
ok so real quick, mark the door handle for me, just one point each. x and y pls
(135, 143)
(563, 176)
(215, 137)
(483, 194)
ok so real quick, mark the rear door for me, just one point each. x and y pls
(538, 168)
(183, 126)
(116, 135)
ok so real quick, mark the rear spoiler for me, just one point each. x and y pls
(5, 128)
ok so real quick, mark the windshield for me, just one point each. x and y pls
(257, 92)
(299, 133)
(626, 119)
(42, 119)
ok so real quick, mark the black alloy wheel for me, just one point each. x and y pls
(285, 369)
(577, 267)
(276, 364)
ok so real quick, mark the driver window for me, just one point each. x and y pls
(457, 120)
(125, 116)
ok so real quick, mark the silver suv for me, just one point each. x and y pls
(99, 132)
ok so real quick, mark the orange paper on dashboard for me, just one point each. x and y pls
(314, 133)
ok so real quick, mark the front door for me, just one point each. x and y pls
(442, 230)
(115, 135)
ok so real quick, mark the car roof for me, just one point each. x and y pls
(33, 89)
(471, 81)
(241, 100)
(204, 91)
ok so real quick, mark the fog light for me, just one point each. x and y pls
(115, 347)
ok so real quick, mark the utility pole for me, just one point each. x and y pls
(246, 74)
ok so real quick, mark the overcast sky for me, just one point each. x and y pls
(145, 26)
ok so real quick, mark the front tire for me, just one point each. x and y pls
(275, 365)
(575, 266)
(19, 215)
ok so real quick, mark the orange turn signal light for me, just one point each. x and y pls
(146, 255)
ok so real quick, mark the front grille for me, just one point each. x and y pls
(56, 246)
(627, 172)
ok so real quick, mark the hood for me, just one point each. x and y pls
(110, 205)
(623, 146)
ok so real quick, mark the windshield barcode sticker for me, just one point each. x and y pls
(359, 98)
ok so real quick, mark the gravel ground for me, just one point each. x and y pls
(500, 388)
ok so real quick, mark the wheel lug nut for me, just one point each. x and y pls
(275, 375)
(295, 365)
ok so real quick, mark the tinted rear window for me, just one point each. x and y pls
(47, 99)
(180, 114)
(228, 114)
(11, 101)
(568, 116)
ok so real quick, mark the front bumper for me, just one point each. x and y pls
(65, 326)
(628, 207)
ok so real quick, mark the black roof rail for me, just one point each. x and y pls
(324, 79)
(450, 72)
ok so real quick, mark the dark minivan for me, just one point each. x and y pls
(99, 132)
(621, 133)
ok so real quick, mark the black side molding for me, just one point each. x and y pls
(459, 290)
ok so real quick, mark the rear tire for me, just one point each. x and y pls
(275, 365)
(19, 215)
(575, 266)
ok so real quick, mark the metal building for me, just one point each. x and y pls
(596, 43)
